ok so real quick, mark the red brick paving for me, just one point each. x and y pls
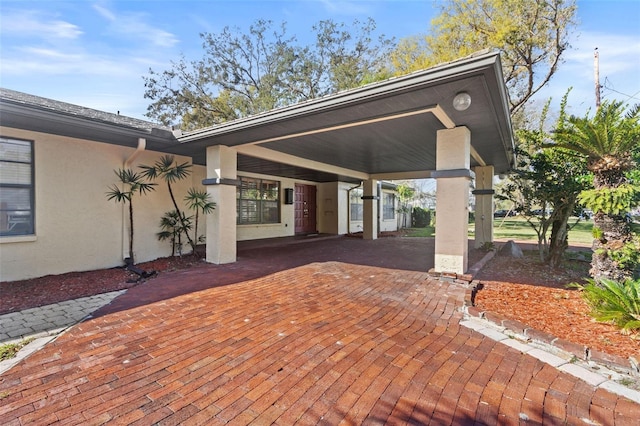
(324, 343)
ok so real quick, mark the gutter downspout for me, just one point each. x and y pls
(349, 206)
(142, 145)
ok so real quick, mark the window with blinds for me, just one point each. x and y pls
(258, 201)
(16, 187)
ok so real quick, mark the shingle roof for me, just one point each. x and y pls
(77, 111)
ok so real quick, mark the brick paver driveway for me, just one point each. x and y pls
(323, 343)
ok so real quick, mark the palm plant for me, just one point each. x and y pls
(200, 202)
(616, 302)
(173, 225)
(607, 141)
(132, 184)
(167, 169)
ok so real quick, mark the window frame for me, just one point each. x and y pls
(388, 208)
(261, 200)
(31, 227)
(356, 203)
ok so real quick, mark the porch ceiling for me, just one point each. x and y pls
(385, 130)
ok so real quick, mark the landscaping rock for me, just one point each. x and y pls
(511, 249)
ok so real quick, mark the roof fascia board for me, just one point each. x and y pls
(69, 121)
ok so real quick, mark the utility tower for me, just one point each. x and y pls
(596, 66)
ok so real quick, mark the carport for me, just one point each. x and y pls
(450, 122)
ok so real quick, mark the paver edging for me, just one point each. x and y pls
(554, 344)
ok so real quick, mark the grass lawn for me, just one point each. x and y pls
(516, 228)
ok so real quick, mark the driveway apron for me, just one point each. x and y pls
(323, 343)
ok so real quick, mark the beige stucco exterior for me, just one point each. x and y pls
(76, 227)
(79, 229)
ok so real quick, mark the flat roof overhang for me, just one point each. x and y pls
(384, 130)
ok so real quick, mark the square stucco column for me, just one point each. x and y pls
(484, 205)
(370, 210)
(221, 185)
(453, 150)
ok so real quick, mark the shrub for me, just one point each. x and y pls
(615, 302)
(421, 217)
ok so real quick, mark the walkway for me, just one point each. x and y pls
(323, 343)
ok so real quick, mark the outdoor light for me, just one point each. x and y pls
(462, 101)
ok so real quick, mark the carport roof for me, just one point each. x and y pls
(385, 130)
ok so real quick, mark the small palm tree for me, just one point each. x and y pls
(173, 225)
(607, 140)
(167, 169)
(200, 202)
(132, 184)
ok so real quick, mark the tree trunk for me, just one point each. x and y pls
(131, 233)
(614, 233)
(559, 234)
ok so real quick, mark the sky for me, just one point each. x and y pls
(94, 53)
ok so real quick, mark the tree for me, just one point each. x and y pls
(167, 169)
(199, 201)
(173, 224)
(608, 141)
(245, 74)
(132, 184)
(406, 193)
(544, 189)
(531, 35)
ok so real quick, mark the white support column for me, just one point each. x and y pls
(484, 205)
(370, 210)
(221, 184)
(453, 176)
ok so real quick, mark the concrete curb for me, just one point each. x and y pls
(594, 374)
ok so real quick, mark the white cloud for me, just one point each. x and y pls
(34, 24)
(133, 26)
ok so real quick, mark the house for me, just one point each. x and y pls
(319, 166)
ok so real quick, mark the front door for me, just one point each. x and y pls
(305, 209)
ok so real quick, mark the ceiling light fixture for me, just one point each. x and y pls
(462, 101)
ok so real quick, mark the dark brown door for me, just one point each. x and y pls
(305, 209)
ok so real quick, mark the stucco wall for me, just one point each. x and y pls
(77, 228)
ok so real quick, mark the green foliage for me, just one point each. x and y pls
(262, 68)
(618, 303)
(531, 36)
(167, 169)
(9, 350)
(611, 201)
(170, 171)
(199, 201)
(608, 139)
(174, 224)
(544, 186)
(132, 183)
(421, 218)
(627, 257)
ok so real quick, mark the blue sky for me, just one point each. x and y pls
(94, 53)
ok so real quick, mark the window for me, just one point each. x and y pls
(16, 187)
(356, 204)
(258, 201)
(388, 206)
